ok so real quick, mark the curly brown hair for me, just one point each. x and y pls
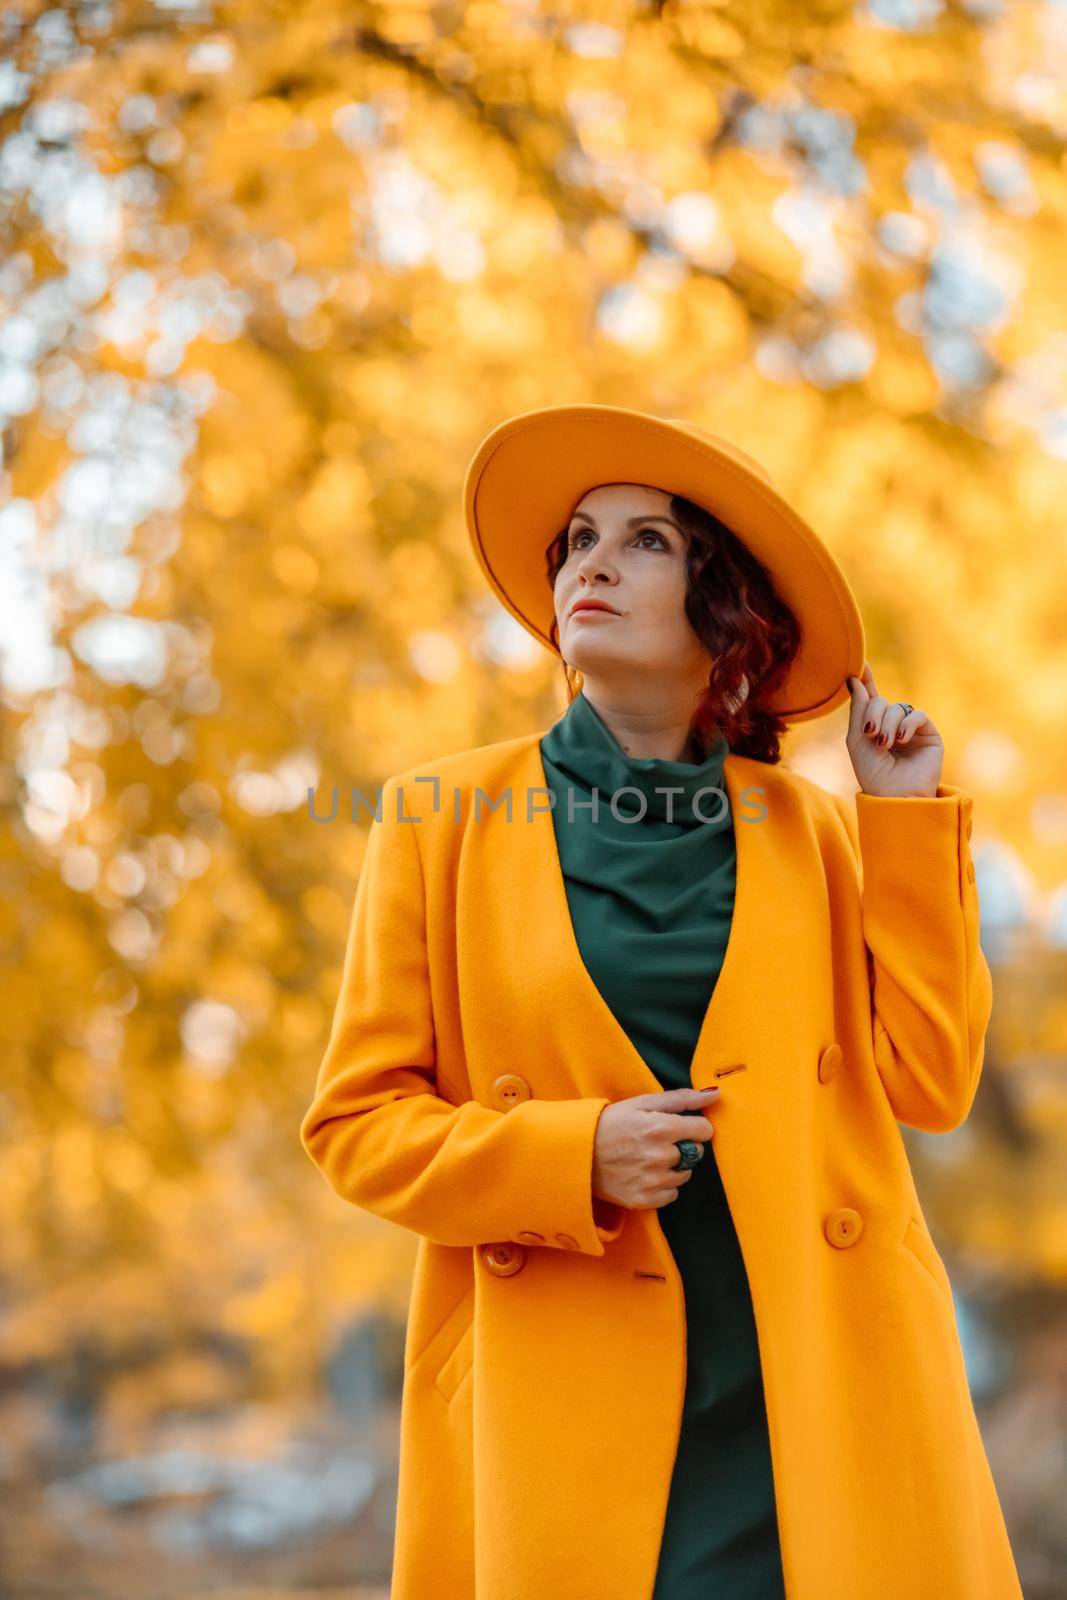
(737, 613)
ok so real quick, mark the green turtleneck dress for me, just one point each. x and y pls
(651, 896)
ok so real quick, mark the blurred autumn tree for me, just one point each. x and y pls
(270, 272)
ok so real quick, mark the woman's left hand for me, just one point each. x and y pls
(892, 753)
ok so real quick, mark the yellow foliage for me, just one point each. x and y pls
(336, 262)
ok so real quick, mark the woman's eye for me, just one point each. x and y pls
(645, 533)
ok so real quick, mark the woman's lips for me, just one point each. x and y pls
(593, 611)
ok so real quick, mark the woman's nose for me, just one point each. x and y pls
(595, 565)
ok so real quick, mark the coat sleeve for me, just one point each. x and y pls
(931, 987)
(463, 1174)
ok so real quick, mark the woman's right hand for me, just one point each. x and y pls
(636, 1146)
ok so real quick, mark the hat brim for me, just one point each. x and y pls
(529, 473)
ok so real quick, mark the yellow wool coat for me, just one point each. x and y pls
(470, 1058)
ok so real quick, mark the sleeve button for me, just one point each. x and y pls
(566, 1241)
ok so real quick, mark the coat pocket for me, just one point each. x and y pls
(456, 1366)
(919, 1245)
(449, 1352)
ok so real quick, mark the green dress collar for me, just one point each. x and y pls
(647, 789)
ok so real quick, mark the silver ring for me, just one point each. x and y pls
(690, 1153)
(906, 706)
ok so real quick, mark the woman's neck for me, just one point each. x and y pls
(662, 732)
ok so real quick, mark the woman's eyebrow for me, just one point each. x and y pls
(631, 522)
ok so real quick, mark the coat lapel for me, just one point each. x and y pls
(525, 859)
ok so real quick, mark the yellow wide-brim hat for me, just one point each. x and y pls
(529, 473)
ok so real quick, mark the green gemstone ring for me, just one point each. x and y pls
(690, 1154)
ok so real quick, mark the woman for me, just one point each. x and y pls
(629, 1016)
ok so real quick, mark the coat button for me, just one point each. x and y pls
(566, 1241)
(528, 1237)
(507, 1090)
(843, 1227)
(829, 1062)
(504, 1258)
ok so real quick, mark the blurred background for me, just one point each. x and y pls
(269, 273)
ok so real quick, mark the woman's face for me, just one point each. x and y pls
(625, 550)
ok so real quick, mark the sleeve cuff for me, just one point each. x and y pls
(560, 1209)
(894, 830)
